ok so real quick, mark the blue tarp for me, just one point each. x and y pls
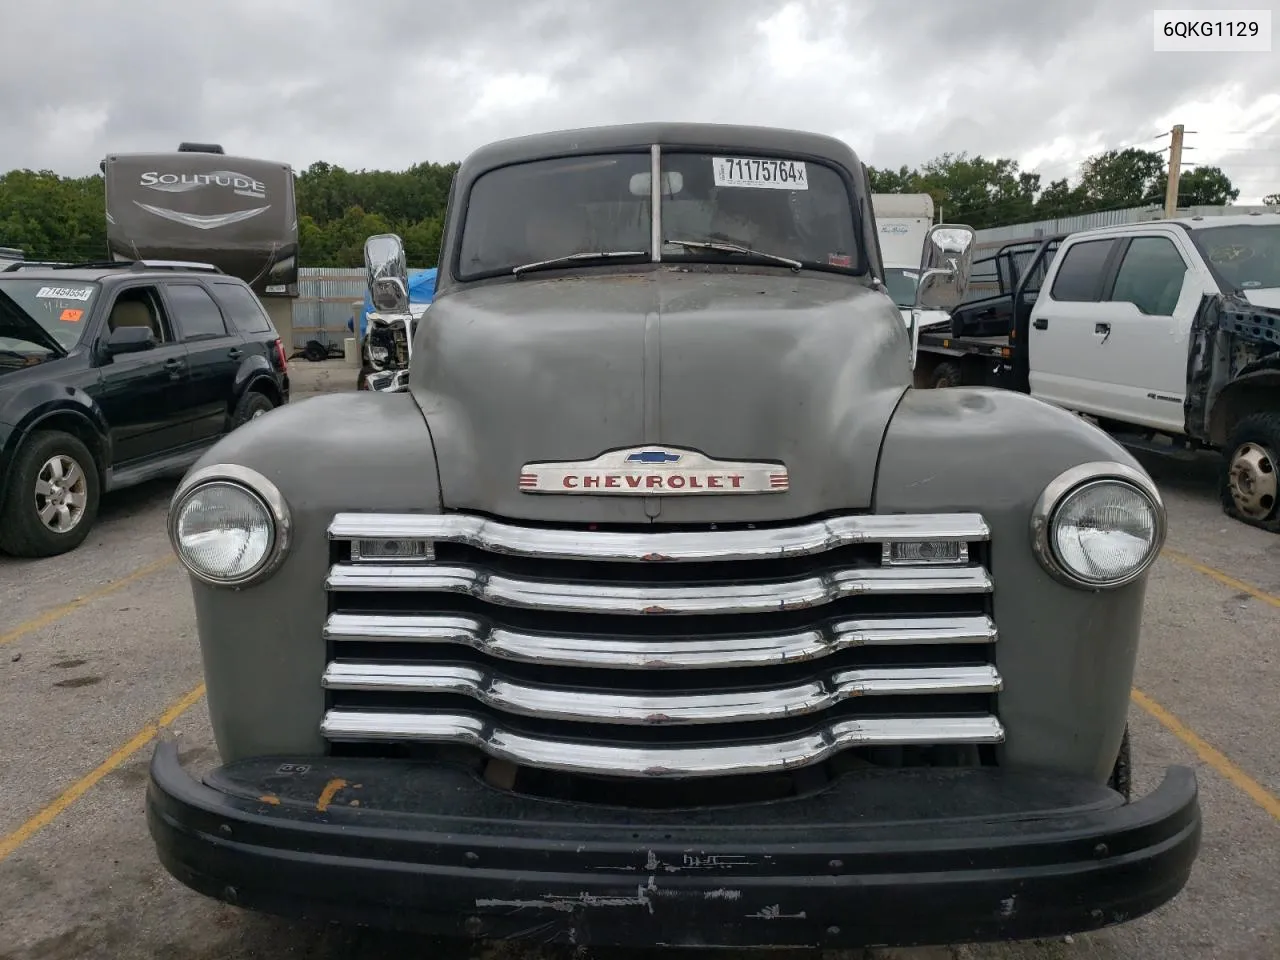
(422, 287)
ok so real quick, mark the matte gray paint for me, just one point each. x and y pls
(1067, 656)
(740, 365)
(262, 646)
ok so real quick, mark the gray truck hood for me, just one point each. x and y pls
(802, 369)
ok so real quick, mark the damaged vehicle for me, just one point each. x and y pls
(1167, 333)
(661, 609)
(387, 343)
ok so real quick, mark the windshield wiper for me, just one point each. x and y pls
(724, 247)
(572, 257)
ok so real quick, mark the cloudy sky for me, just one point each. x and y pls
(387, 83)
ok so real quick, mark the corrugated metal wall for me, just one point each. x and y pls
(994, 237)
(323, 306)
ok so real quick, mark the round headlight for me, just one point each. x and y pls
(1099, 531)
(228, 531)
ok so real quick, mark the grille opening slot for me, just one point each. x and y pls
(694, 794)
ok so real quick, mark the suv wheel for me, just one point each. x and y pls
(53, 496)
(251, 406)
(1249, 482)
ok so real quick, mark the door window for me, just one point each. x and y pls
(1150, 276)
(140, 307)
(1079, 278)
(196, 313)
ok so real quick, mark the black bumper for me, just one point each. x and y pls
(901, 857)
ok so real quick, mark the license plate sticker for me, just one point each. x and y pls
(760, 173)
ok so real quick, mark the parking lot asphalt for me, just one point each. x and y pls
(98, 653)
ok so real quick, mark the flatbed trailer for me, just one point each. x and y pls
(951, 357)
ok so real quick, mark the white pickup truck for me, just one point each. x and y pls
(1169, 328)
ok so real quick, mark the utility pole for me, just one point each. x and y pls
(1175, 169)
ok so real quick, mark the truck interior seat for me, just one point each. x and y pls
(133, 313)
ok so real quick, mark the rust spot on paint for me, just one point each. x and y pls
(270, 798)
(329, 792)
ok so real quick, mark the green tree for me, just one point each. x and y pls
(1202, 187)
(1272, 199)
(1122, 178)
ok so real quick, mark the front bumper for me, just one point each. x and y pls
(890, 857)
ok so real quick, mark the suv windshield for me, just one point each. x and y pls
(716, 208)
(1246, 256)
(59, 307)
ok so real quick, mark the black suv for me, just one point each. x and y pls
(114, 373)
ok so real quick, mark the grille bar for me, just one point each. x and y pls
(597, 759)
(561, 544)
(717, 598)
(676, 653)
(501, 693)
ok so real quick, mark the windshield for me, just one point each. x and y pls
(715, 209)
(901, 284)
(530, 213)
(1246, 255)
(778, 207)
(60, 308)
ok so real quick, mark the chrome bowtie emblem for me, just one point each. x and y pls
(654, 471)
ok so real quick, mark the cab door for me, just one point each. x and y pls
(1142, 339)
(213, 351)
(1061, 346)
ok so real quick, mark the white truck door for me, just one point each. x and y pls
(1142, 342)
(1062, 348)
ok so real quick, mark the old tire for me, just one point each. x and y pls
(1249, 482)
(252, 405)
(53, 496)
(946, 374)
(1121, 779)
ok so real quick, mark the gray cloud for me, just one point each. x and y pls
(388, 83)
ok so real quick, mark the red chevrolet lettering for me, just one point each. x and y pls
(675, 482)
(591, 481)
(570, 481)
(612, 480)
(714, 483)
(652, 481)
(736, 479)
(633, 481)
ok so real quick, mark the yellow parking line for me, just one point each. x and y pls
(1223, 578)
(57, 613)
(74, 792)
(1259, 794)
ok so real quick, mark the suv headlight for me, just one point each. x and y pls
(1098, 525)
(229, 525)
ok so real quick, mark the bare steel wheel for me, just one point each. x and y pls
(1250, 486)
(62, 493)
(51, 496)
(1253, 481)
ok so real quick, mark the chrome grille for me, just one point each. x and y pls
(676, 653)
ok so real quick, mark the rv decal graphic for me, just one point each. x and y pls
(186, 182)
(203, 221)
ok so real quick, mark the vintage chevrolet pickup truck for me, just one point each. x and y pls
(661, 609)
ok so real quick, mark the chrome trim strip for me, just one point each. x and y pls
(773, 543)
(654, 709)
(684, 653)
(598, 759)
(654, 599)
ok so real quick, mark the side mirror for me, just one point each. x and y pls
(130, 340)
(944, 272)
(386, 273)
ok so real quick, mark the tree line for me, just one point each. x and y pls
(54, 217)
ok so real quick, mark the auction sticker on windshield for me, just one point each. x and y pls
(756, 172)
(65, 293)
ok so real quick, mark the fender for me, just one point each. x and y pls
(320, 455)
(1067, 655)
(37, 404)
(253, 369)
